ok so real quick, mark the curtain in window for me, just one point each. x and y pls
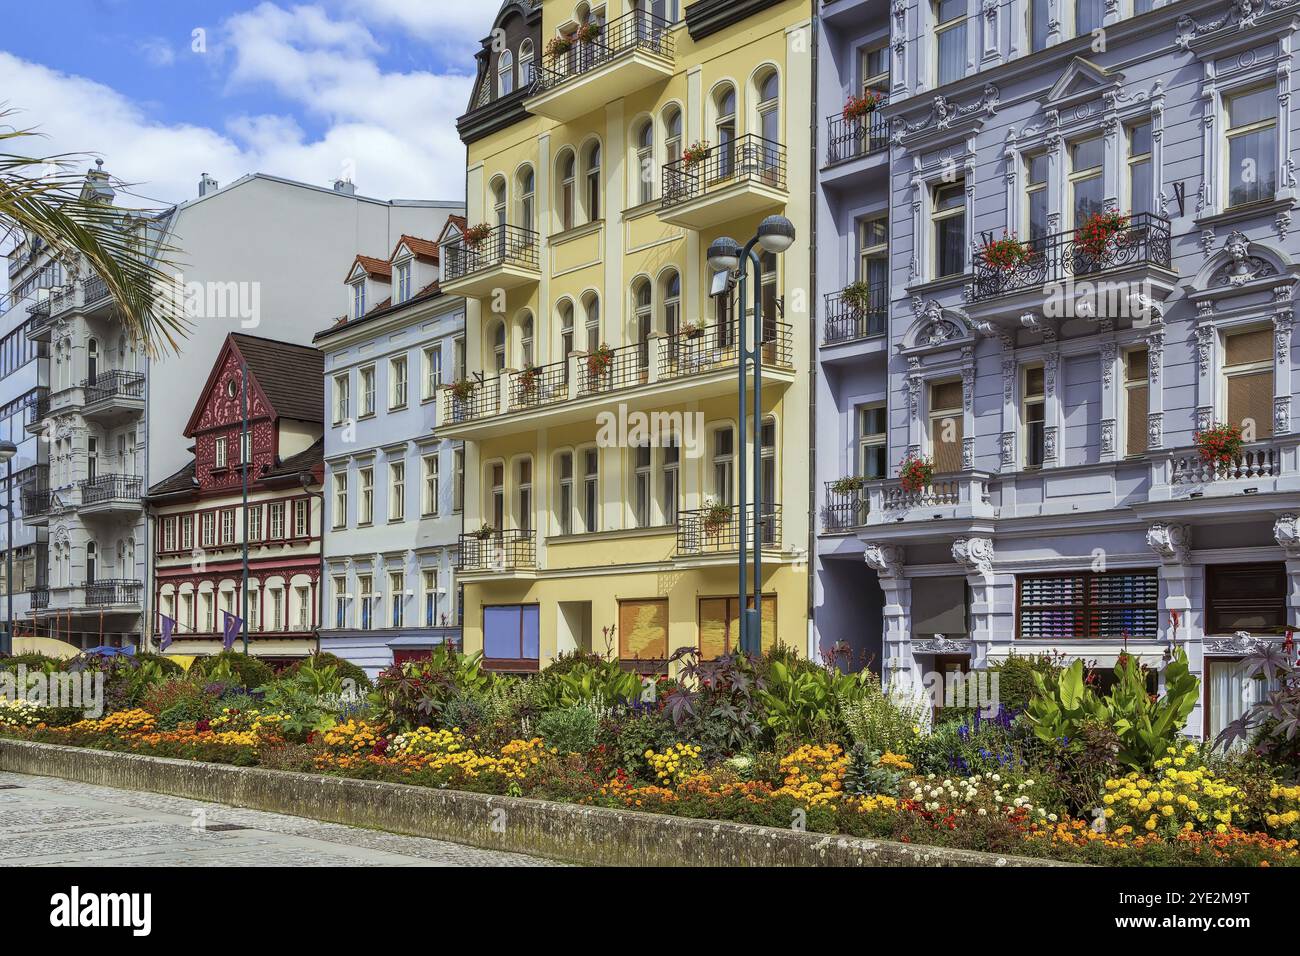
(952, 54)
(1232, 693)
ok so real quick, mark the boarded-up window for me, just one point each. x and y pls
(939, 606)
(946, 426)
(1248, 377)
(720, 626)
(1136, 401)
(1110, 605)
(643, 630)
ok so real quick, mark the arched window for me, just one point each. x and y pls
(92, 359)
(672, 300)
(527, 198)
(724, 127)
(526, 339)
(568, 185)
(643, 312)
(591, 310)
(566, 334)
(769, 107)
(505, 73)
(672, 134)
(592, 176)
(499, 201)
(526, 64)
(92, 559)
(645, 162)
(499, 345)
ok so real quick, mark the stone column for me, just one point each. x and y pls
(1180, 591)
(975, 556)
(1111, 373)
(887, 561)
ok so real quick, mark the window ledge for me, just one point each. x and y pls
(1238, 214)
(577, 232)
(937, 285)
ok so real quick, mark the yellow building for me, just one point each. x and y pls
(609, 145)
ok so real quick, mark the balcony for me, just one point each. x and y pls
(851, 316)
(850, 139)
(36, 497)
(846, 508)
(716, 530)
(508, 550)
(1128, 257)
(111, 495)
(505, 258)
(38, 328)
(39, 597)
(628, 54)
(89, 296)
(37, 409)
(695, 363)
(114, 593)
(1262, 467)
(961, 495)
(735, 180)
(112, 396)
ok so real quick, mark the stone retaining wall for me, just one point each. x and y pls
(561, 831)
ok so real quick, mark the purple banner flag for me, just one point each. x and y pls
(230, 629)
(168, 629)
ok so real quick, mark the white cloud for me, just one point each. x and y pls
(436, 21)
(157, 51)
(393, 131)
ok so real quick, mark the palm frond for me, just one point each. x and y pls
(43, 196)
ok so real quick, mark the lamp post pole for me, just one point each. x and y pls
(307, 479)
(775, 235)
(245, 455)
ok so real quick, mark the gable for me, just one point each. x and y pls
(1081, 79)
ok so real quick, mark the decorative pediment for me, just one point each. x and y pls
(1081, 80)
(1237, 17)
(1241, 644)
(1243, 265)
(936, 328)
(947, 117)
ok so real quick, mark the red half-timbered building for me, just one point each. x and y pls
(199, 524)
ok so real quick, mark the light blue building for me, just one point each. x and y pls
(1091, 256)
(393, 489)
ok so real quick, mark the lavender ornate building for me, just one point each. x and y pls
(1060, 246)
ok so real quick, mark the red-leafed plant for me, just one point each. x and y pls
(1219, 444)
(695, 154)
(1100, 228)
(1006, 253)
(600, 361)
(916, 472)
(476, 234)
(857, 107)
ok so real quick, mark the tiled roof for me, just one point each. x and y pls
(421, 248)
(182, 481)
(291, 376)
(430, 291)
(381, 268)
(307, 460)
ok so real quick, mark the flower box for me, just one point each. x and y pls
(1095, 235)
(915, 473)
(848, 484)
(1219, 444)
(716, 517)
(857, 107)
(475, 235)
(600, 361)
(695, 154)
(1006, 253)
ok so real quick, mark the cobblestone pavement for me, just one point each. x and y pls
(45, 821)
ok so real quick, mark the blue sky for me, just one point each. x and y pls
(365, 89)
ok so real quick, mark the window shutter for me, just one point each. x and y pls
(643, 630)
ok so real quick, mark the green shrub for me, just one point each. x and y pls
(865, 777)
(188, 710)
(628, 736)
(345, 669)
(563, 663)
(167, 666)
(880, 722)
(249, 671)
(603, 683)
(1016, 678)
(465, 711)
(33, 661)
(569, 729)
(413, 694)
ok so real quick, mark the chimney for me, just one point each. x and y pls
(345, 186)
(206, 184)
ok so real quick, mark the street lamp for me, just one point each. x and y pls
(7, 451)
(775, 235)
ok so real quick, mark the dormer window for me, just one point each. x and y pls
(526, 64)
(505, 73)
(358, 298)
(402, 273)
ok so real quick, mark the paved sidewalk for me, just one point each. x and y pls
(45, 821)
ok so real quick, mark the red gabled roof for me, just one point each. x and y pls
(421, 248)
(290, 378)
(377, 268)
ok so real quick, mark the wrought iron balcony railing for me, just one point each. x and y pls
(509, 550)
(113, 384)
(1065, 255)
(38, 406)
(502, 246)
(855, 315)
(39, 597)
(854, 138)
(636, 31)
(747, 159)
(103, 488)
(99, 593)
(704, 349)
(540, 385)
(847, 507)
(479, 399)
(716, 530)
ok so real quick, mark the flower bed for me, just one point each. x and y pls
(776, 742)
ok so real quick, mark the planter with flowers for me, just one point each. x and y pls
(857, 107)
(475, 235)
(716, 517)
(1219, 445)
(463, 390)
(589, 32)
(695, 154)
(599, 361)
(915, 473)
(692, 330)
(527, 381)
(1007, 253)
(848, 484)
(1096, 234)
(558, 47)
(485, 532)
(857, 296)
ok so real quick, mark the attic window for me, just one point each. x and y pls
(403, 270)
(358, 298)
(231, 388)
